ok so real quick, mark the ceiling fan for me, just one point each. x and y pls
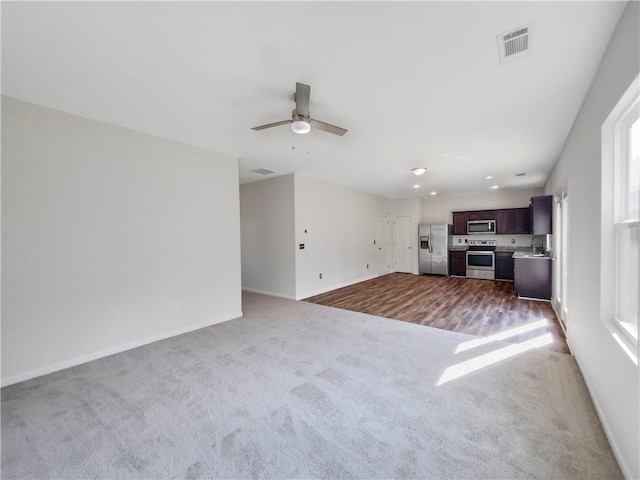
(301, 121)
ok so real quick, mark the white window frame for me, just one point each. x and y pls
(613, 223)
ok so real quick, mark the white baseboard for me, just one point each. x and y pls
(626, 470)
(273, 294)
(38, 372)
(554, 305)
(335, 287)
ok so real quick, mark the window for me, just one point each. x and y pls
(627, 220)
(621, 219)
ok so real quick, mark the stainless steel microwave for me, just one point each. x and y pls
(478, 227)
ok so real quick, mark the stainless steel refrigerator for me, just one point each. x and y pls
(434, 243)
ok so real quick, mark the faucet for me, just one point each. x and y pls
(538, 240)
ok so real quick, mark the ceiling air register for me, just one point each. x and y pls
(515, 44)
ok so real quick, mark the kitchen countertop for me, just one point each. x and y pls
(518, 252)
(529, 254)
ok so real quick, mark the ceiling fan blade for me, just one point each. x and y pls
(327, 127)
(302, 99)
(269, 125)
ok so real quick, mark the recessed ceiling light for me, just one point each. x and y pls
(416, 186)
(419, 170)
(434, 193)
(494, 187)
(489, 177)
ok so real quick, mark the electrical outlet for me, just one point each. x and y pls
(367, 265)
(320, 276)
(459, 240)
(513, 240)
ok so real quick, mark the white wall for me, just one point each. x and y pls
(103, 229)
(340, 225)
(612, 378)
(268, 236)
(439, 208)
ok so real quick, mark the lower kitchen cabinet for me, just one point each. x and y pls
(458, 263)
(504, 265)
(532, 277)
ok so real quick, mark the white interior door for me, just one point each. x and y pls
(402, 244)
(383, 243)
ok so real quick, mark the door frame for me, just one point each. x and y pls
(385, 242)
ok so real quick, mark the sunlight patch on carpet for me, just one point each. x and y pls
(482, 361)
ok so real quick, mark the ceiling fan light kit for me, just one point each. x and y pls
(300, 126)
(301, 122)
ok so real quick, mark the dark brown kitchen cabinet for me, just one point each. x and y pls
(460, 223)
(458, 263)
(512, 221)
(541, 215)
(504, 265)
(532, 277)
(503, 221)
(521, 221)
(482, 215)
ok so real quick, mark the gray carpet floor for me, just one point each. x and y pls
(297, 390)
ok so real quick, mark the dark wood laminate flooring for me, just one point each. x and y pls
(477, 307)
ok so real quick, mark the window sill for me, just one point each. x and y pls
(623, 337)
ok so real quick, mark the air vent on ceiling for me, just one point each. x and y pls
(263, 171)
(520, 174)
(515, 44)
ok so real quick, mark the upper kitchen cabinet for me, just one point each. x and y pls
(521, 221)
(482, 215)
(541, 215)
(503, 221)
(513, 221)
(460, 223)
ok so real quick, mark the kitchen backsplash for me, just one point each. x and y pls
(502, 240)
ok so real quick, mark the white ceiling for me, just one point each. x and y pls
(416, 83)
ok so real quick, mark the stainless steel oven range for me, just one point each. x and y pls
(481, 259)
